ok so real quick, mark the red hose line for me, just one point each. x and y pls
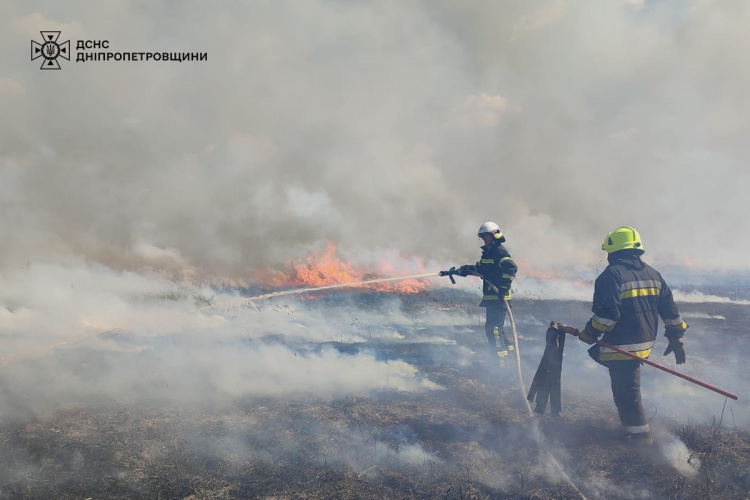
(668, 370)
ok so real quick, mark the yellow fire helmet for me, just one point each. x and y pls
(622, 238)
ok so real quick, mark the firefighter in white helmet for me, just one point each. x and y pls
(497, 270)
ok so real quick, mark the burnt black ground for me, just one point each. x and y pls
(471, 440)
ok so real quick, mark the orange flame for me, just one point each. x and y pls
(326, 269)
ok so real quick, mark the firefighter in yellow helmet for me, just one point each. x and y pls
(629, 297)
(498, 271)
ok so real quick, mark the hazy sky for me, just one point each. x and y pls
(382, 125)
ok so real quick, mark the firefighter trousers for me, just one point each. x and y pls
(626, 391)
(493, 327)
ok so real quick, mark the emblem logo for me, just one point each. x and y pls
(50, 50)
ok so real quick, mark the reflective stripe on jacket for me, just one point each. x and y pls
(629, 297)
(497, 268)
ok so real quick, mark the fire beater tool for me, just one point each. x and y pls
(547, 384)
(574, 332)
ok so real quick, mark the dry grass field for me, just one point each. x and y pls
(467, 438)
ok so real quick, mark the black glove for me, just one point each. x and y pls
(584, 336)
(677, 346)
(466, 270)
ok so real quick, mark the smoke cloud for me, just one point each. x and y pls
(386, 126)
(85, 334)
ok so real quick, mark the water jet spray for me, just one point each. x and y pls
(297, 291)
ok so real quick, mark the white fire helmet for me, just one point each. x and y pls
(488, 227)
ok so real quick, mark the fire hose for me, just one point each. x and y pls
(536, 432)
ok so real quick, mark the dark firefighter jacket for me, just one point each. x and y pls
(629, 297)
(498, 268)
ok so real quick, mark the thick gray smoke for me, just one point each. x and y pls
(87, 334)
(377, 125)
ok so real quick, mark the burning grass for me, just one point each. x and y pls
(326, 269)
